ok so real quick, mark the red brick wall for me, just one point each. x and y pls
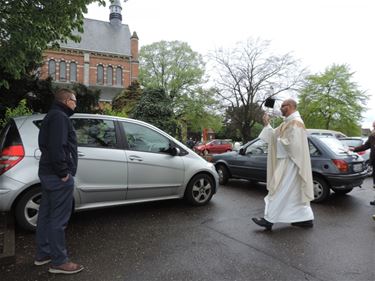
(95, 59)
(62, 56)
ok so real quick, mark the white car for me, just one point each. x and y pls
(121, 161)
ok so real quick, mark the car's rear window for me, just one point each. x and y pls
(351, 142)
(9, 135)
(38, 123)
(335, 145)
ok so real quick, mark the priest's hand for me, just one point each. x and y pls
(266, 119)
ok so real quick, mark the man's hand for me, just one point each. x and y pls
(266, 119)
(64, 179)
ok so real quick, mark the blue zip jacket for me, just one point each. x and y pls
(58, 142)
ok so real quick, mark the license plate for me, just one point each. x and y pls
(357, 167)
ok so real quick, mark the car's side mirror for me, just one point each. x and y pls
(242, 151)
(174, 151)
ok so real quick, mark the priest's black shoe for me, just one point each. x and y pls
(263, 222)
(303, 223)
(372, 202)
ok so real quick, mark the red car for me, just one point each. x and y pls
(214, 147)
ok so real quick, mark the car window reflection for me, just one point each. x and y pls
(95, 132)
(140, 138)
(257, 148)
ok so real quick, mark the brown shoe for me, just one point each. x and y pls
(66, 268)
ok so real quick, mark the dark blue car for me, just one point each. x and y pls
(333, 166)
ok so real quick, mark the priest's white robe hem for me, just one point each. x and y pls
(285, 205)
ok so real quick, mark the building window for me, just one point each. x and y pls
(119, 76)
(109, 75)
(73, 72)
(52, 69)
(63, 71)
(100, 74)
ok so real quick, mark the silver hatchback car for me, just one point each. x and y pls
(121, 161)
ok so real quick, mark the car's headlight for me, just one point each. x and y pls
(211, 166)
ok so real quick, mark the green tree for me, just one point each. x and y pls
(126, 101)
(37, 93)
(197, 111)
(244, 77)
(172, 66)
(331, 100)
(87, 99)
(29, 27)
(154, 107)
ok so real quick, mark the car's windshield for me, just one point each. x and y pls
(335, 145)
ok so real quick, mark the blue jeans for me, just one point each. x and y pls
(54, 213)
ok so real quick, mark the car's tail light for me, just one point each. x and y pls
(341, 165)
(10, 156)
(361, 152)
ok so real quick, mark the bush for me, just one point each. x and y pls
(108, 110)
(20, 110)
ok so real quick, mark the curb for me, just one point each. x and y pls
(7, 255)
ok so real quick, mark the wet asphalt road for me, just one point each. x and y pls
(172, 241)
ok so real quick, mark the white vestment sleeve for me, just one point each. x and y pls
(266, 134)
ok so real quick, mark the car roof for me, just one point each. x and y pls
(39, 116)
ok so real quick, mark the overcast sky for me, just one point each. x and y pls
(318, 32)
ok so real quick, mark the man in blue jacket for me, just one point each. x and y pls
(57, 166)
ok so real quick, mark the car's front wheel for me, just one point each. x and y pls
(200, 189)
(223, 174)
(321, 189)
(27, 208)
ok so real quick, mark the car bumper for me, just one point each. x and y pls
(346, 181)
(9, 189)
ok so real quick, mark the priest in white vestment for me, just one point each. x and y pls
(289, 175)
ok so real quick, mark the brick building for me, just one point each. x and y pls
(106, 58)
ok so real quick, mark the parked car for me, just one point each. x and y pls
(214, 147)
(326, 133)
(121, 161)
(351, 142)
(333, 167)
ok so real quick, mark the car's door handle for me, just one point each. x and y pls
(80, 154)
(135, 158)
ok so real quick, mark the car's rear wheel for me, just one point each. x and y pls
(200, 189)
(27, 208)
(223, 174)
(321, 189)
(342, 191)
